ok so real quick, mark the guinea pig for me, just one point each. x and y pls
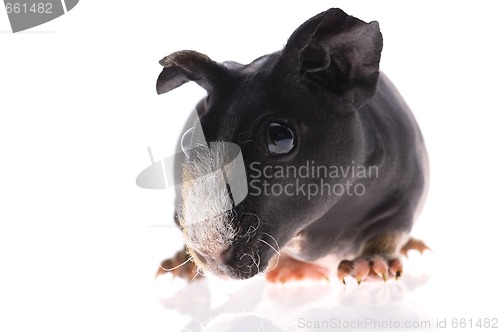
(303, 154)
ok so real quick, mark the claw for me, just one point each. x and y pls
(370, 267)
(361, 269)
(344, 269)
(380, 267)
(396, 268)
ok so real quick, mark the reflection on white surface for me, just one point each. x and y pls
(256, 305)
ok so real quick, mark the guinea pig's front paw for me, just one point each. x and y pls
(370, 267)
(181, 265)
(290, 269)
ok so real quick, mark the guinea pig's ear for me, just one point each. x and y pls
(185, 66)
(339, 52)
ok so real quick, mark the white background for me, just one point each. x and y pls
(78, 107)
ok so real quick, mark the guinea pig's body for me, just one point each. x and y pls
(334, 162)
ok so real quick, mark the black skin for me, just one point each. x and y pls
(326, 87)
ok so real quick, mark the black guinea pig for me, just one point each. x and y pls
(304, 154)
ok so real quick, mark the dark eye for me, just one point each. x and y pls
(280, 139)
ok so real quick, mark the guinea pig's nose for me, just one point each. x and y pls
(223, 257)
(226, 255)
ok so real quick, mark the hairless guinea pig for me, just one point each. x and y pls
(302, 155)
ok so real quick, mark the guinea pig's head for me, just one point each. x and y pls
(262, 122)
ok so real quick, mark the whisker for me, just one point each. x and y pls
(250, 233)
(199, 271)
(197, 274)
(272, 237)
(270, 246)
(176, 267)
(243, 140)
(252, 257)
(252, 214)
(252, 230)
(258, 262)
(275, 265)
(277, 260)
(255, 261)
(275, 250)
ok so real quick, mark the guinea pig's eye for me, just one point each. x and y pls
(280, 139)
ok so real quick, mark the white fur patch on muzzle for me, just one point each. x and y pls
(212, 178)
